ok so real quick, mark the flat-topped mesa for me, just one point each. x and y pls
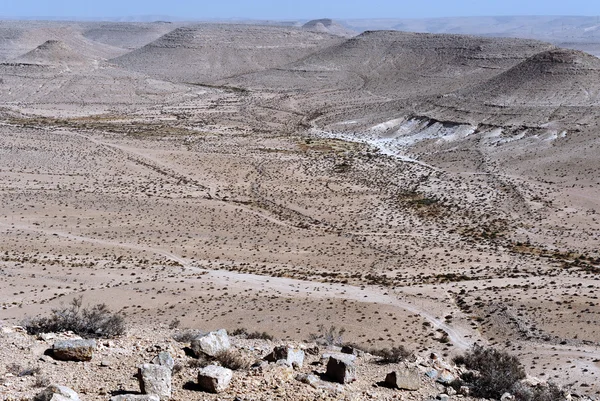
(208, 52)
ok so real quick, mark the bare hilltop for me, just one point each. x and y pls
(300, 210)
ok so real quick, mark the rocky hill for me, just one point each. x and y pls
(208, 52)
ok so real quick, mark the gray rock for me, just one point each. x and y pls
(443, 397)
(292, 356)
(309, 379)
(210, 344)
(346, 349)
(155, 380)
(405, 378)
(507, 397)
(74, 350)
(214, 379)
(341, 368)
(57, 393)
(445, 377)
(164, 359)
(135, 397)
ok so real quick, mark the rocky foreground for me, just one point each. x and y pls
(162, 364)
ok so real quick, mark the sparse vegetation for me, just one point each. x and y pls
(392, 355)
(331, 336)
(233, 360)
(187, 335)
(497, 371)
(255, 335)
(94, 321)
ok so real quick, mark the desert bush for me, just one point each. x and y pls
(17, 370)
(187, 335)
(331, 336)
(392, 355)
(232, 360)
(551, 392)
(497, 370)
(255, 335)
(41, 381)
(94, 321)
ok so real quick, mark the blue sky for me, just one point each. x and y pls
(295, 9)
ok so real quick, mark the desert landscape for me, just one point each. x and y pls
(432, 191)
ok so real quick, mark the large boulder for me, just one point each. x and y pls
(74, 350)
(57, 393)
(341, 369)
(164, 359)
(135, 397)
(405, 378)
(292, 356)
(155, 380)
(210, 344)
(214, 379)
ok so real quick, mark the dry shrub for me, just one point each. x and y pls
(94, 321)
(331, 336)
(392, 355)
(233, 360)
(498, 371)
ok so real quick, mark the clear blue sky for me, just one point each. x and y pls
(295, 9)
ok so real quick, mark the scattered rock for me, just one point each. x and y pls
(341, 368)
(405, 378)
(74, 350)
(210, 344)
(507, 397)
(57, 393)
(292, 356)
(164, 359)
(309, 379)
(325, 357)
(346, 349)
(155, 380)
(214, 379)
(443, 397)
(135, 397)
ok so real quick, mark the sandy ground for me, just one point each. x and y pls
(283, 209)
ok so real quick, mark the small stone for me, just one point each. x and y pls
(292, 356)
(309, 379)
(164, 359)
(346, 349)
(155, 380)
(443, 397)
(507, 397)
(105, 364)
(210, 344)
(135, 397)
(405, 378)
(450, 391)
(74, 350)
(57, 393)
(214, 379)
(341, 369)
